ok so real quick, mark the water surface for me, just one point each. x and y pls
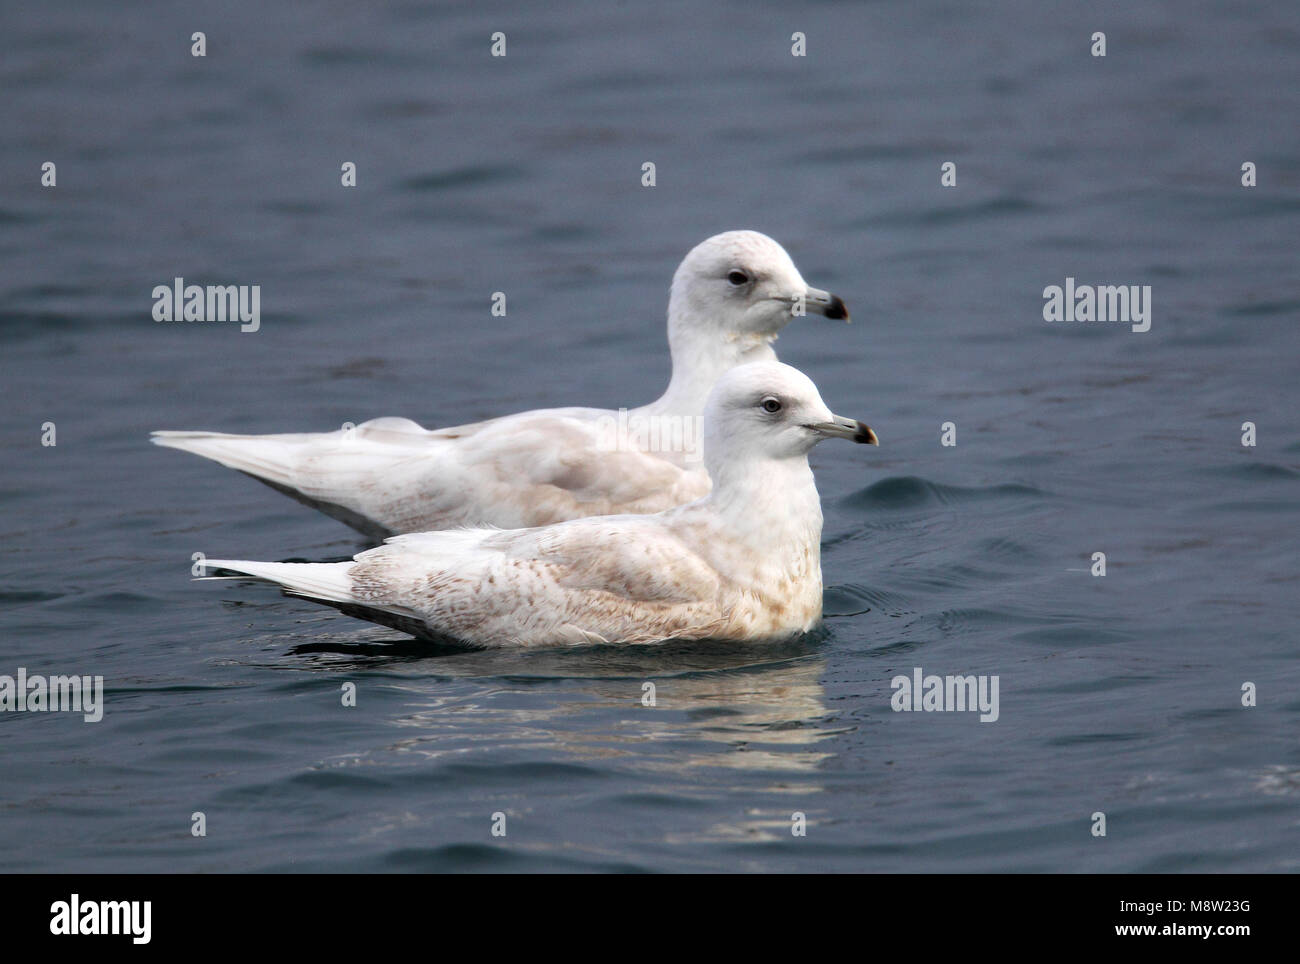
(1118, 694)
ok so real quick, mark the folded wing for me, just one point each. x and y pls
(390, 475)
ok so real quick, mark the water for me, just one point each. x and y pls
(1119, 694)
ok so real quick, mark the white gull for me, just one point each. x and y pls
(741, 563)
(730, 297)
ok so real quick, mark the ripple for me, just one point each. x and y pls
(1084, 739)
(1082, 633)
(910, 491)
(854, 599)
(462, 177)
(356, 56)
(10, 216)
(482, 857)
(993, 208)
(1254, 471)
(1255, 309)
(18, 597)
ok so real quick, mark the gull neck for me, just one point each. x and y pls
(699, 358)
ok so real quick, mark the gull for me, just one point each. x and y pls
(730, 297)
(741, 563)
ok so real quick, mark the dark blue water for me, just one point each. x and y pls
(1119, 694)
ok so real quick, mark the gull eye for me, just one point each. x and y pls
(738, 277)
(771, 404)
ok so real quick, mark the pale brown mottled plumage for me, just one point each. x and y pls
(741, 563)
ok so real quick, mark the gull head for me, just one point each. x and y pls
(767, 410)
(742, 284)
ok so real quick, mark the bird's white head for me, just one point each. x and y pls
(769, 411)
(743, 284)
(730, 296)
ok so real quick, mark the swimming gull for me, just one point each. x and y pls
(741, 563)
(730, 297)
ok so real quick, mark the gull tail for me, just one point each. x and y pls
(330, 584)
(270, 458)
(326, 582)
(275, 460)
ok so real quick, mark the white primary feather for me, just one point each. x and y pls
(390, 475)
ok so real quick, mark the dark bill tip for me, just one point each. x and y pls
(865, 436)
(837, 310)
